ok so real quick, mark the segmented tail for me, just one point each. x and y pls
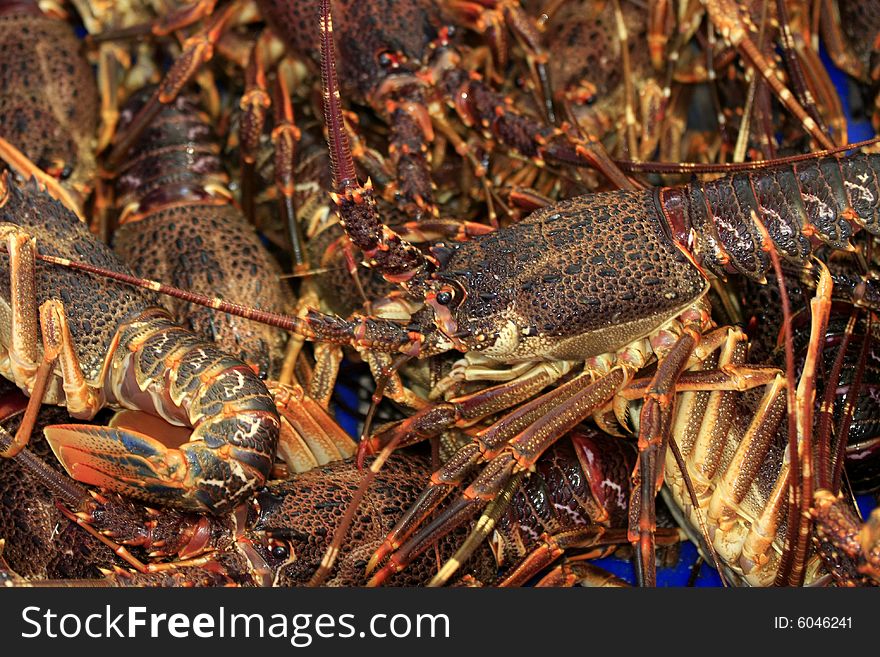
(802, 205)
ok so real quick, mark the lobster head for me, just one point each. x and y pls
(378, 41)
(572, 281)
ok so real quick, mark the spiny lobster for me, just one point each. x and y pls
(178, 221)
(614, 281)
(408, 55)
(577, 498)
(91, 345)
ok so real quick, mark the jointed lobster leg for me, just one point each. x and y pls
(836, 43)
(552, 546)
(468, 409)
(82, 399)
(328, 358)
(654, 435)
(309, 437)
(725, 16)
(382, 367)
(254, 103)
(285, 137)
(536, 424)
(534, 427)
(21, 360)
(576, 572)
(510, 445)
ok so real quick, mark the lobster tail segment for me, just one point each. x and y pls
(802, 205)
(186, 381)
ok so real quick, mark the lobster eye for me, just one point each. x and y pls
(280, 551)
(451, 293)
(388, 59)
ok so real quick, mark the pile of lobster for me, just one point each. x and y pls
(595, 278)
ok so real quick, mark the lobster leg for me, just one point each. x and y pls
(397, 260)
(553, 546)
(465, 410)
(654, 435)
(535, 427)
(309, 437)
(254, 103)
(725, 15)
(285, 137)
(328, 357)
(177, 19)
(380, 365)
(82, 399)
(702, 421)
(40, 382)
(574, 569)
(574, 572)
(724, 507)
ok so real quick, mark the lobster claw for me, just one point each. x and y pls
(200, 475)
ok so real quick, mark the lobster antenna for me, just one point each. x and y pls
(849, 409)
(735, 167)
(329, 558)
(286, 322)
(341, 160)
(794, 483)
(378, 334)
(396, 259)
(826, 410)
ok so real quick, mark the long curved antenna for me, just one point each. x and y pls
(384, 250)
(794, 483)
(735, 167)
(377, 334)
